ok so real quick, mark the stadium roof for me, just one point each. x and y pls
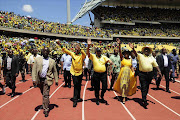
(88, 6)
(144, 3)
(91, 4)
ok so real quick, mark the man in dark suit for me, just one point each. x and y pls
(11, 71)
(164, 62)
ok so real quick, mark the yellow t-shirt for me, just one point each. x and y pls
(146, 63)
(99, 63)
(77, 62)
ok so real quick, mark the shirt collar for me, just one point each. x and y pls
(165, 54)
(46, 58)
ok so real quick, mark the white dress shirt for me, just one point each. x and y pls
(165, 60)
(45, 68)
(134, 63)
(67, 61)
(9, 60)
(86, 61)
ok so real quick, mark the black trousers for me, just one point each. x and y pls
(97, 78)
(22, 71)
(92, 79)
(77, 80)
(1, 85)
(113, 79)
(145, 79)
(86, 73)
(27, 68)
(155, 73)
(10, 81)
(67, 77)
(164, 72)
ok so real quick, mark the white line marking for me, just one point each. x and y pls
(164, 105)
(165, 87)
(177, 81)
(18, 83)
(15, 98)
(83, 101)
(49, 98)
(123, 104)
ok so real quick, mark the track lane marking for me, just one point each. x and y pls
(123, 104)
(15, 97)
(83, 100)
(49, 98)
(177, 80)
(19, 83)
(164, 105)
(165, 87)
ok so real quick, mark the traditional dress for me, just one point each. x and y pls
(126, 81)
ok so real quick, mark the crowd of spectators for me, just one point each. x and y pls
(127, 14)
(23, 44)
(11, 20)
(165, 30)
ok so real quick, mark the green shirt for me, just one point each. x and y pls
(117, 61)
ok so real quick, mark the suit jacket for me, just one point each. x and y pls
(51, 73)
(160, 61)
(14, 66)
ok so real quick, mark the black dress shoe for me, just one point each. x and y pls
(168, 91)
(46, 113)
(157, 88)
(75, 104)
(146, 103)
(97, 102)
(173, 80)
(12, 95)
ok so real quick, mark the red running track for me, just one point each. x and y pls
(162, 105)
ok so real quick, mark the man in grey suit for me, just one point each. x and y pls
(43, 74)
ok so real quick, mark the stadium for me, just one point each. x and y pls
(152, 24)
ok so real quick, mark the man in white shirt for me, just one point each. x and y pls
(66, 61)
(86, 72)
(164, 62)
(43, 74)
(32, 58)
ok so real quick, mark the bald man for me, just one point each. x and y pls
(44, 73)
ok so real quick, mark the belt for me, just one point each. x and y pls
(146, 72)
(99, 72)
(42, 79)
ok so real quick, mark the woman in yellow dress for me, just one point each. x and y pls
(126, 81)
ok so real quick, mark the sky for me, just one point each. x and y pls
(48, 10)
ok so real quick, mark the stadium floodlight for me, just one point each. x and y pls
(88, 6)
(68, 12)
